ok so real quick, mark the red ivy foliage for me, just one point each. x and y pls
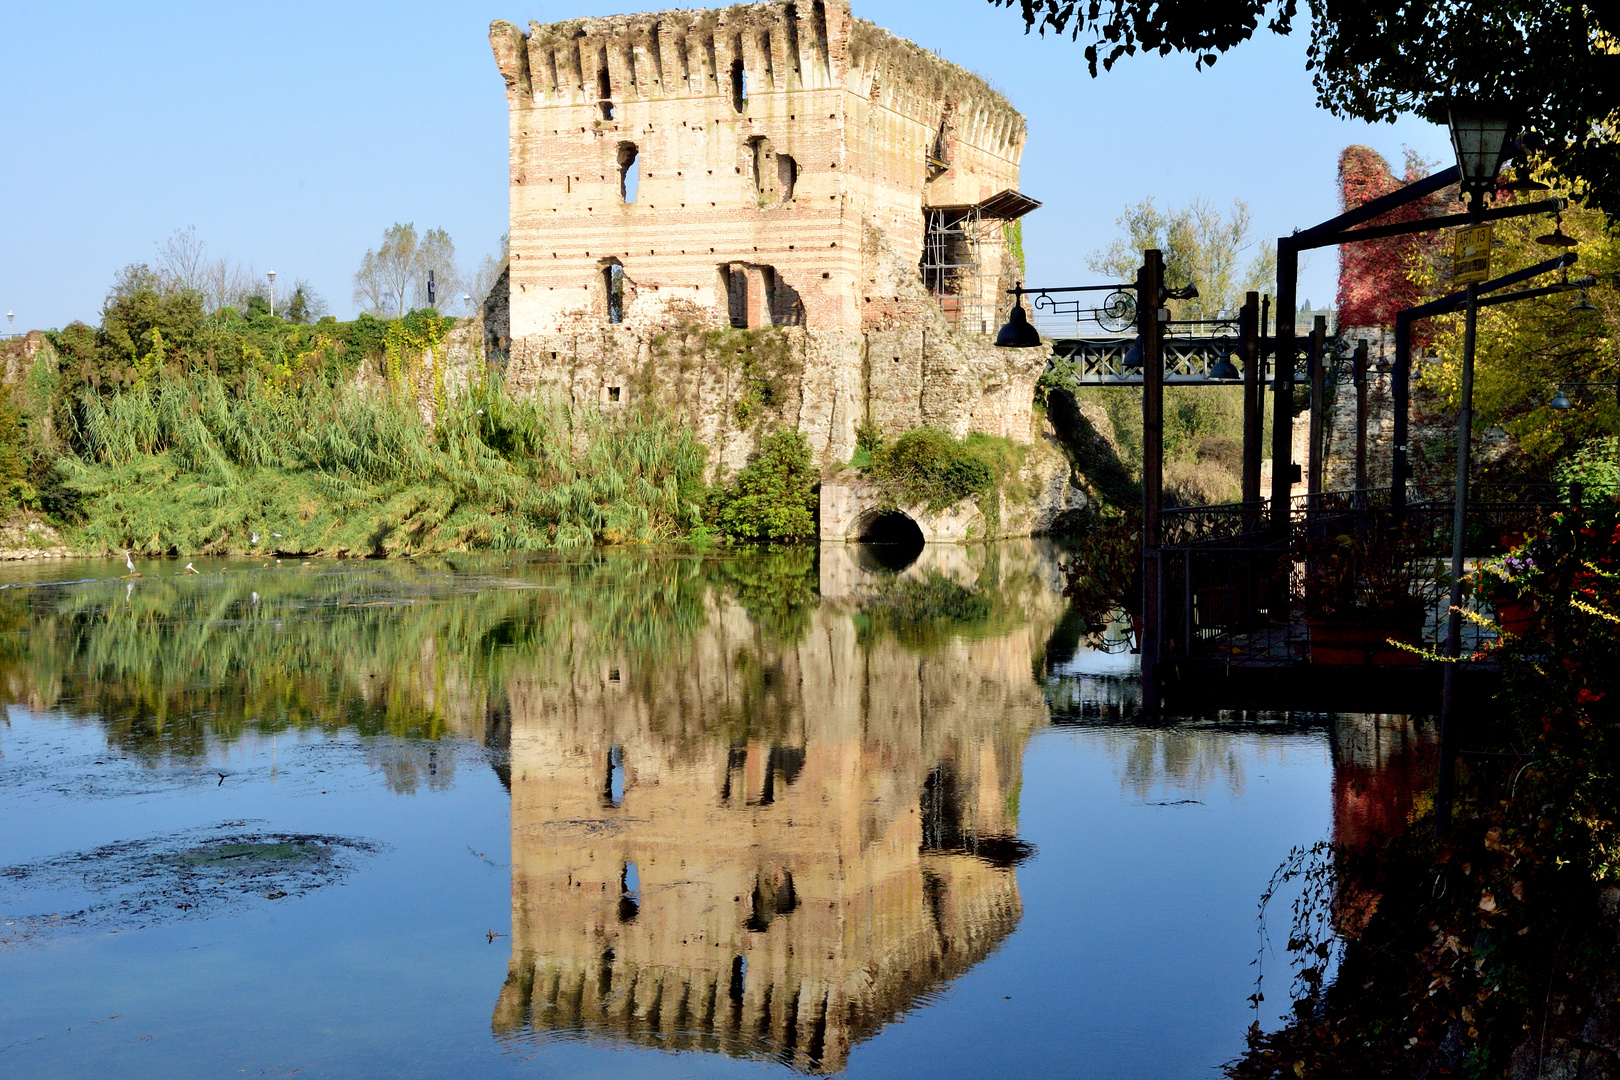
(1373, 283)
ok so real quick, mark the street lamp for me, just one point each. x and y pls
(272, 276)
(9, 317)
(1479, 134)
(1560, 402)
(466, 302)
(1019, 333)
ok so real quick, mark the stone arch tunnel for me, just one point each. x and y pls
(854, 511)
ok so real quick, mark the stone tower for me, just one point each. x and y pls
(772, 165)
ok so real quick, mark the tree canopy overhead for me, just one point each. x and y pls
(1556, 61)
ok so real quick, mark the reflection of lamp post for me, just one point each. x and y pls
(1478, 134)
(272, 276)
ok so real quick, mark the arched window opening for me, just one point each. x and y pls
(734, 284)
(604, 86)
(629, 172)
(787, 174)
(739, 83)
(613, 284)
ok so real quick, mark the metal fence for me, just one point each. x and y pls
(1232, 590)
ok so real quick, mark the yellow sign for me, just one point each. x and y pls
(1472, 261)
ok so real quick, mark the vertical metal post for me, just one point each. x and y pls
(1265, 353)
(1282, 386)
(1459, 517)
(1400, 378)
(1249, 333)
(1318, 428)
(1149, 281)
(1359, 374)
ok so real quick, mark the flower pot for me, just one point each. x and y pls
(1364, 642)
(1516, 617)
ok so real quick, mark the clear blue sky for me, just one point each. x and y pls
(292, 134)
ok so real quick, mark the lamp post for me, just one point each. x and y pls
(1478, 135)
(9, 317)
(272, 276)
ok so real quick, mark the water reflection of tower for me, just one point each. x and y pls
(765, 852)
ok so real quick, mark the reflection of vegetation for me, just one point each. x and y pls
(1104, 569)
(927, 612)
(422, 650)
(429, 649)
(170, 662)
(777, 587)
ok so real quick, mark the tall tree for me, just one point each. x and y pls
(183, 258)
(1201, 245)
(1558, 63)
(388, 271)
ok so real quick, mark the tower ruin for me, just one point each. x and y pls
(782, 169)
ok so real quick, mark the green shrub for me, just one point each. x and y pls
(926, 465)
(773, 498)
(1593, 467)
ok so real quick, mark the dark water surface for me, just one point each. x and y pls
(627, 816)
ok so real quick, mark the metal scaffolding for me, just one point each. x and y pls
(963, 248)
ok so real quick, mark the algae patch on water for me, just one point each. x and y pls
(193, 874)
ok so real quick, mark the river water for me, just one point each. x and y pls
(631, 815)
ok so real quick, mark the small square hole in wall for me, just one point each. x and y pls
(613, 393)
(613, 675)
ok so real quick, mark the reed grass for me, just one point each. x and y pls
(188, 465)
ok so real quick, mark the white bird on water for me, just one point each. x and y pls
(191, 569)
(129, 562)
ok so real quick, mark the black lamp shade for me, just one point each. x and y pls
(1133, 355)
(1478, 135)
(1560, 402)
(1223, 368)
(1019, 333)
